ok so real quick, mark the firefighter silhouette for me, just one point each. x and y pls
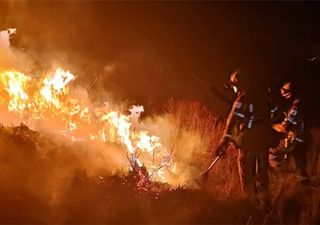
(293, 138)
(248, 127)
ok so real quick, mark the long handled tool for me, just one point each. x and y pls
(225, 140)
(206, 173)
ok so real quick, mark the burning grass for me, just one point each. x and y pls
(46, 181)
(73, 166)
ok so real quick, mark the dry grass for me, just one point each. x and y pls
(291, 202)
(197, 118)
(54, 187)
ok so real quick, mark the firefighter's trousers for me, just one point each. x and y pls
(253, 162)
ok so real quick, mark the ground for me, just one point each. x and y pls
(44, 182)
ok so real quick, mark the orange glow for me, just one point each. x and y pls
(49, 99)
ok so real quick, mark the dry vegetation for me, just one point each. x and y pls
(46, 182)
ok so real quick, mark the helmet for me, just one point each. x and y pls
(286, 90)
(234, 77)
(287, 86)
(233, 81)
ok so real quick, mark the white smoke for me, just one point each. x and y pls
(170, 161)
(7, 57)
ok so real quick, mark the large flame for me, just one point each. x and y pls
(55, 87)
(52, 99)
(49, 99)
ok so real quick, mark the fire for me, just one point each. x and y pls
(146, 142)
(48, 99)
(56, 86)
(122, 125)
(15, 83)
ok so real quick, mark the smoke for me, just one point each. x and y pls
(120, 52)
(7, 57)
(188, 148)
(172, 160)
(118, 74)
(117, 64)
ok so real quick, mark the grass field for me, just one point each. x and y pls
(48, 181)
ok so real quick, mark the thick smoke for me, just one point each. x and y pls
(121, 52)
(44, 175)
(172, 162)
(43, 171)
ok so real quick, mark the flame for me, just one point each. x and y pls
(49, 99)
(15, 83)
(55, 87)
(122, 125)
(146, 142)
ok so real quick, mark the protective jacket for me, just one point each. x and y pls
(286, 116)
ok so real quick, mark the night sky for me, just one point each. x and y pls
(156, 46)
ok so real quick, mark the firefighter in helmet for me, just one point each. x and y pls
(284, 112)
(288, 122)
(247, 128)
(235, 117)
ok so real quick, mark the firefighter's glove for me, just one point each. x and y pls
(221, 151)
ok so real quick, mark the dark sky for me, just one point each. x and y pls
(156, 46)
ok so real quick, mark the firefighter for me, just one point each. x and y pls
(248, 128)
(235, 117)
(288, 121)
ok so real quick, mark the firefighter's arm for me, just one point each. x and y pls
(292, 114)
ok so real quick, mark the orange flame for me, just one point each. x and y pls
(49, 99)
